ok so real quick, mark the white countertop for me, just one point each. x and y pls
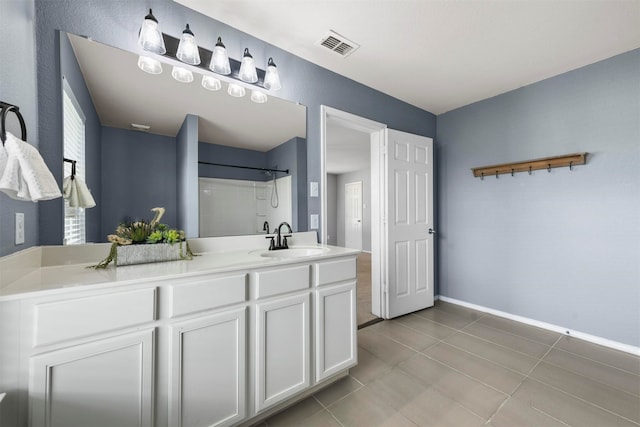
(211, 259)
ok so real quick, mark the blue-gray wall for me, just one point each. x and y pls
(18, 87)
(187, 176)
(214, 153)
(560, 247)
(292, 155)
(138, 174)
(116, 22)
(93, 134)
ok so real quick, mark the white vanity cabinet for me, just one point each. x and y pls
(283, 329)
(92, 359)
(104, 383)
(208, 352)
(223, 346)
(335, 317)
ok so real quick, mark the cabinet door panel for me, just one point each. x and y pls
(335, 329)
(103, 383)
(282, 363)
(208, 370)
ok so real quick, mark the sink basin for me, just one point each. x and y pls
(294, 252)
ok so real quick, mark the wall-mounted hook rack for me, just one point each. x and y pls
(547, 163)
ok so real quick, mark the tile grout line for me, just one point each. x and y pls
(526, 376)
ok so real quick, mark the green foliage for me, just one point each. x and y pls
(141, 232)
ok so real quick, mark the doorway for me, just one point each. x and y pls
(400, 204)
(350, 184)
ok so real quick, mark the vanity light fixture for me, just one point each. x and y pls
(248, 71)
(220, 59)
(150, 37)
(258, 97)
(188, 49)
(238, 74)
(182, 74)
(272, 78)
(235, 90)
(211, 83)
(149, 65)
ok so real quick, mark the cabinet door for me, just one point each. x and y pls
(103, 383)
(207, 370)
(335, 334)
(282, 362)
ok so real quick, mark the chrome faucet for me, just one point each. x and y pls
(281, 242)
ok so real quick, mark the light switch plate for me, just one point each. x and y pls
(313, 189)
(314, 222)
(19, 228)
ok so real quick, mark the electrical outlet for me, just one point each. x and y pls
(314, 222)
(19, 228)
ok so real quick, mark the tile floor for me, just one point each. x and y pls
(452, 366)
(363, 303)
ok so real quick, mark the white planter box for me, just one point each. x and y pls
(146, 253)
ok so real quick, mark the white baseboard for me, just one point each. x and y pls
(555, 328)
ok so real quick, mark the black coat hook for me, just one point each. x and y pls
(549, 167)
(511, 171)
(570, 166)
(529, 169)
(482, 176)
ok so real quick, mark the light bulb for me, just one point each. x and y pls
(149, 65)
(235, 90)
(211, 83)
(220, 59)
(150, 37)
(188, 49)
(258, 97)
(182, 75)
(248, 71)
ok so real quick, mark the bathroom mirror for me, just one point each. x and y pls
(140, 115)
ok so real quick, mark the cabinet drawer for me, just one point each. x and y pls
(281, 281)
(63, 320)
(208, 293)
(335, 271)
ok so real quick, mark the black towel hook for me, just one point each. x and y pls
(73, 166)
(5, 110)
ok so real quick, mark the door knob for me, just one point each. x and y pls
(432, 231)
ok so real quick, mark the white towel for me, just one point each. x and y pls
(24, 175)
(76, 191)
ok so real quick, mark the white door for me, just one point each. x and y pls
(353, 215)
(409, 215)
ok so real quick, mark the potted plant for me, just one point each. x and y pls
(142, 242)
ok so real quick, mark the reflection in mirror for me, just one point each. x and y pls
(134, 120)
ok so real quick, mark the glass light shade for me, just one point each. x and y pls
(271, 77)
(258, 97)
(150, 37)
(211, 83)
(248, 71)
(220, 59)
(188, 49)
(182, 75)
(149, 65)
(235, 90)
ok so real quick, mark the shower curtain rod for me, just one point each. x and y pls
(245, 167)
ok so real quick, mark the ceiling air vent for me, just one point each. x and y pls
(338, 44)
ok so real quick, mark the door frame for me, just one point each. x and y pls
(377, 133)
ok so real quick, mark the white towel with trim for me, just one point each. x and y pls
(24, 174)
(76, 191)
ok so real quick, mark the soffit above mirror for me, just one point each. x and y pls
(123, 94)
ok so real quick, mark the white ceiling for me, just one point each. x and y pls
(441, 54)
